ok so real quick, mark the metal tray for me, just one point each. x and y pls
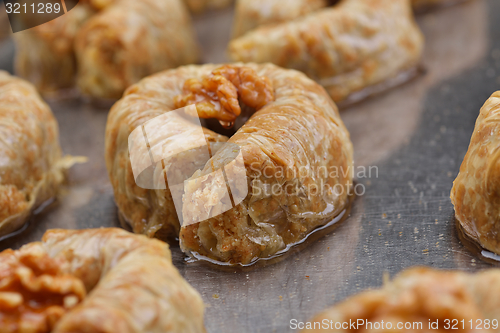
(415, 135)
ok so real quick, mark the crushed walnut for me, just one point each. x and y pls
(35, 292)
(218, 94)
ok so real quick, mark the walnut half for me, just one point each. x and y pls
(218, 94)
(35, 290)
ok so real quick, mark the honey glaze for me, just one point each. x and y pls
(474, 247)
(292, 248)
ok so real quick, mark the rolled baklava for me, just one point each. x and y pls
(476, 190)
(353, 49)
(45, 54)
(108, 44)
(130, 40)
(418, 300)
(286, 171)
(31, 167)
(96, 280)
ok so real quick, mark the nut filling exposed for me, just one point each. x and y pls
(218, 94)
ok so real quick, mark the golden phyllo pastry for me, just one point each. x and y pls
(287, 170)
(419, 300)
(31, 168)
(475, 194)
(132, 39)
(347, 48)
(109, 44)
(45, 54)
(96, 280)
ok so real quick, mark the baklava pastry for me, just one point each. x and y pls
(95, 280)
(251, 14)
(130, 40)
(420, 299)
(353, 49)
(476, 190)
(31, 167)
(286, 171)
(45, 54)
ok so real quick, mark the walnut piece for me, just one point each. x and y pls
(35, 290)
(217, 95)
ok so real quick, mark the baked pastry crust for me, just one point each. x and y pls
(475, 193)
(31, 167)
(96, 280)
(346, 48)
(420, 295)
(301, 128)
(108, 44)
(45, 54)
(113, 54)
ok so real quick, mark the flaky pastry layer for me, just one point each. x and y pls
(106, 45)
(300, 131)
